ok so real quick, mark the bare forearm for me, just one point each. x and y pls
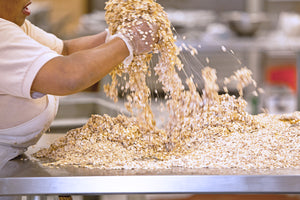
(70, 74)
(83, 43)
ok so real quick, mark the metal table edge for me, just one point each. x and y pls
(157, 184)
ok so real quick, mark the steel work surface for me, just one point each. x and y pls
(22, 176)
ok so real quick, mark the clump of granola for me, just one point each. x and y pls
(119, 14)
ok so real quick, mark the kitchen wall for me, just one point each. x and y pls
(276, 6)
(217, 5)
(61, 17)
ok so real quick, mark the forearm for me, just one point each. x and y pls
(83, 43)
(66, 75)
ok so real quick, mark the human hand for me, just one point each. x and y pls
(139, 39)
(141, 36)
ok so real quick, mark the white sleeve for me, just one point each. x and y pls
(21, 58)
(47, 39)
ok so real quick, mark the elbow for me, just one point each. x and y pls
(70, 80)
(62, 76)
(71, 84)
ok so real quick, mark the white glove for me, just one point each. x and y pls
(139, 39)
(142, 36)
(109, 37)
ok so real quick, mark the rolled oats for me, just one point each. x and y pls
(208, 130)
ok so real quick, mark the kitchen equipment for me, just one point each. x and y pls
(279, 99)
(92, 23)
(243, 23)
(289, 24)
(191, 19)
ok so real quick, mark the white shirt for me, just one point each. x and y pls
(22, 56)
(23, 52)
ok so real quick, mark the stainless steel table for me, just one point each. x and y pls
(23, 176)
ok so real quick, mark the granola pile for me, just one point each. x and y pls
(203, 129)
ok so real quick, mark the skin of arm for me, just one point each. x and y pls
(83, 43)
(85, 63)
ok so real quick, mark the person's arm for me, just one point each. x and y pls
(66, 75)
(84, 65)
(83, 43)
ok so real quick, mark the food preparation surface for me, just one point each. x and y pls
(24, 176)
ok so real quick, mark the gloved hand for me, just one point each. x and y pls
(142, 36)
(139, 39)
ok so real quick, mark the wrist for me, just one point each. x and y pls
(129, 46)
(108, 35)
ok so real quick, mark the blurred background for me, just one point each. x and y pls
(263, 35)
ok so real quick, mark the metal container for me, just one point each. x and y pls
(243, 23)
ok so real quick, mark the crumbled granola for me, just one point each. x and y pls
(208, 130)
